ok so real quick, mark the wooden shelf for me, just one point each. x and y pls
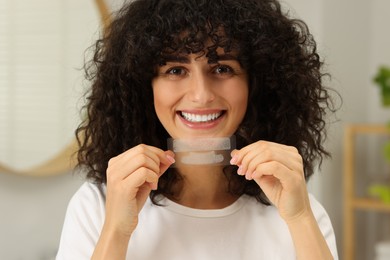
(367, 129)
(370, 204)
(351, 202)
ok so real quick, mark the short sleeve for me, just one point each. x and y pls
(83, 222)
(325, 225)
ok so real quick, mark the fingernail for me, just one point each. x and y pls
(239, 171)
(170, 158)
(233, 160)
(248, 176)
(154, 185)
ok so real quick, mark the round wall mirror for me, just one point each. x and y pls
(42, 51)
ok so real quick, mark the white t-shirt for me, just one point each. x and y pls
(245, 230)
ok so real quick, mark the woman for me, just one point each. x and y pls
(200, 69)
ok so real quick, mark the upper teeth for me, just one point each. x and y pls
(200, 118)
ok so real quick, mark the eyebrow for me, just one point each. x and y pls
(174, 58)
(184, 59)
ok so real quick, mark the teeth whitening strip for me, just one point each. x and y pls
(202, 151)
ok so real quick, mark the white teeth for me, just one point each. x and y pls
(200, 118)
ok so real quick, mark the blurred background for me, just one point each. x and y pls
(42, 50)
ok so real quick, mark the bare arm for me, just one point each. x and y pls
(130, 178)
(308, 239)
(278, 170)
(111, 245)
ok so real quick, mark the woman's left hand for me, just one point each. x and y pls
(278, 170)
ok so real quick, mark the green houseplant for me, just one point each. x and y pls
(382, 79)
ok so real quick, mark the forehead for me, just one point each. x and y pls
(219, 53)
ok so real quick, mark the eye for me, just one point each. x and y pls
(175, 71)
(223, 70)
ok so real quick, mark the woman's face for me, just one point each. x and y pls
(193, 98)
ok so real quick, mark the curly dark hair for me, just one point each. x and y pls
(287, 100)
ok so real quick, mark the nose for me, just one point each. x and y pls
(201, 89)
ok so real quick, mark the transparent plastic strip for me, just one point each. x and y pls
(202, 151)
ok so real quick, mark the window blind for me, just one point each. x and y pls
(42, 46)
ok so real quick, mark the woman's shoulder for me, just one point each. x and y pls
(325, 224)
(90, 196)
(90, 191)
(318, 209)
(83, 222)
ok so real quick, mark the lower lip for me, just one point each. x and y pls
(201, 125)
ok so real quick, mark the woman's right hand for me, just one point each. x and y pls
(130, 178)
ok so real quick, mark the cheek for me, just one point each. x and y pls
(164, 100)
(159, 102)
(238, 96)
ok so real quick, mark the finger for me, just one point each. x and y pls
(150, 151)
(140, 156)
(128, 164)
(166, 159)
(263, 143)
(287, 177)
(260, 145)
(291, 160)
(171, 160)
(234, 154)
(138, 178)
(260, 152)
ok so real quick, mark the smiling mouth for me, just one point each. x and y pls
(204, 118)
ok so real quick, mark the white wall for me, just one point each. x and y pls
(379, 54)
(41, 79)
(42, 44)
(355, 32)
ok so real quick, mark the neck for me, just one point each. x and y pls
(204, 187)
